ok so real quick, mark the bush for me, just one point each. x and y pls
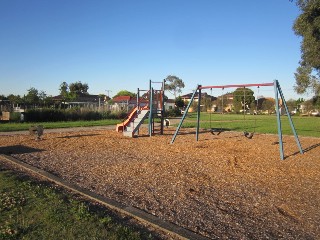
(173, 113)
(15, 116)
(72, 114)
(45, 115)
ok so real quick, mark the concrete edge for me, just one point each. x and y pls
(136, 213)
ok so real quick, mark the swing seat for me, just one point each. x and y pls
(248, 135)
(216, 130)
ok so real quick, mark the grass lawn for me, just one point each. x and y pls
(305, 126)
(8, 127)
(35, 210)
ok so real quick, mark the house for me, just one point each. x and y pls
(82, 100)
(187, 97)
(169, 104)
(306, 107)
(204, 96)
(126, 103)
(223, 103)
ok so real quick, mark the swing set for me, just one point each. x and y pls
(277, 92)
(245, 107)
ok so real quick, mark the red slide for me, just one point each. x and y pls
(120, 126)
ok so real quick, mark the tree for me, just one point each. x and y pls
(179, 102)
(125, 93)
(32, 96)
(316, 101)
(66, 94)
(3, 97)
(291, 104)
(174, 85)
(224, 103)
(78, 88)
(306, 81)
(268, 105)
(42, 97)
(307, 25)
(307, 106)
(15, 99)
(64, 88)
(206, 102)
(243, 99)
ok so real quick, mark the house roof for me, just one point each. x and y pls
(226, 96)
(121, 99)
(187, 96)
(128, 99)
(170, 101)
(203, 95)
(81, 98)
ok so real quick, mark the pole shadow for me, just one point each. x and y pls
(78, 136)
(305, 150)
(18, 149)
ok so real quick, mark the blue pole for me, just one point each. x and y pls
(138, 106)
(138, 97)
(151, 112)
(278, 119)
(290, 118)
(162, 105)
(184, 116)
(198, 113)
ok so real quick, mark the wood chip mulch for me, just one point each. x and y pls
(224, 186)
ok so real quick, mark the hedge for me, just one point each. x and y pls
(56, 115)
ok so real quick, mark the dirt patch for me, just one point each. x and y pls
(224, 186)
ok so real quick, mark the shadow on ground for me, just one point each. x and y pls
(78, 136)
(18, 149)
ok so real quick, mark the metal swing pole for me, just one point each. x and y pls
(150, 108)
(184, 115)
(289, 117)
(162, 106)
(198, 113)
(244, 103)
(222, 105)
(211, 108)
(278, 120)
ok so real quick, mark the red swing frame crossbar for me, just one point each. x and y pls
(238, 85)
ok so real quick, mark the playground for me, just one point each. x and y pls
(222, 186)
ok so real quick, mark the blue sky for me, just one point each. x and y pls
(121, 44)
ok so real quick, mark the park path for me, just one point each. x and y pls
(79, 129)
(57, 130)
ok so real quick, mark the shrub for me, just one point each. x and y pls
(15, 116)
(173, 113)
(118, 115)
(72, 114)
(45, 115)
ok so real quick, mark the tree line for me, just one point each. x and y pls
(70, 92)
(307, 26)
(39, 98)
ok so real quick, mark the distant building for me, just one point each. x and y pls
(224, 103)
(187, 97)
(126, 103)
(82, 100)
(169, 104)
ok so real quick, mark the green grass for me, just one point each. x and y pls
(8, 127)
(33, 210)
(305, 126)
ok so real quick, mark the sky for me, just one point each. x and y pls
(115, 45)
